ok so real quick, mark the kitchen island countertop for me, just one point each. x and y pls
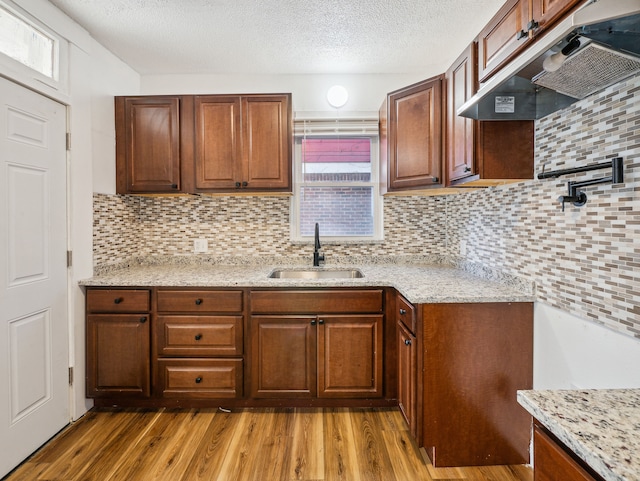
(601, 426)
(420, 284)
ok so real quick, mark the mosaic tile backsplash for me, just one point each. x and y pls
(585, 260)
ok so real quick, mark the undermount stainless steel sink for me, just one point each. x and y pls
(315, 274)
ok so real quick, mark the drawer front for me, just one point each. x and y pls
(314, 302)
(553, 463)
(197, 336)
(199, 301)
(406, 312)
(200, 379)
(117, 300)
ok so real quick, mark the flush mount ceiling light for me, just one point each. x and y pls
(337, 96)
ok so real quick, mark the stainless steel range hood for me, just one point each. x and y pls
(606, 43)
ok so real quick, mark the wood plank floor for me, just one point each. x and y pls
(300, 444)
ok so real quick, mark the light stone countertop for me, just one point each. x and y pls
(601, 426)
(420, 284)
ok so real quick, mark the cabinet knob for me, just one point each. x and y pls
(118, 300)
(407, 342)
(435, 179)
(320, 321)
(143, 319)
(467, 168)
(403, 312)
(532, 25)
(521, 34)
(198, 337)
(313, 322)
(198, 380)
(174, 186)
(245, 183)
(198, 302)
(237, 185)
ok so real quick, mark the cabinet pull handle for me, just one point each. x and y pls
(532, 25)
(198, 380)
(467, 169)
(320, 321)
(174, 186)
(198, 302)
(237, 185)
(118, 300)
(143, 319)
(198, 337)
(435, 179)
(407, 342)
(245, 184)
(313, 322)
(403, 312)
(521, 34)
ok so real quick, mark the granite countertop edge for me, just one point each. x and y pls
(601, 426)
(421, 281)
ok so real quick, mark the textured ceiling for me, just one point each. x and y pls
(283, 36)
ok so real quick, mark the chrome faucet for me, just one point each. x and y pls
(317, 256)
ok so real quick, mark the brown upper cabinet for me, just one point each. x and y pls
(243, 142)
(515, 25)
(460, 133)
(212, 143)
(482, 150)
(148, 144)
(412, 120)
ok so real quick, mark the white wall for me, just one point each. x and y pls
(94, 77)
(366, 92)
(570, 353)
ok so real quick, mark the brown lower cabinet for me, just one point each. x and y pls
(555, 462)
(326, 344)
(472, 358)
(453, 369)
(118, 346)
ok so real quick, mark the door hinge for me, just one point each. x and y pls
(71, 376)
(69, 258)
(68, 140)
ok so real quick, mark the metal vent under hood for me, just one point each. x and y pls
(607, 35)
(590, 69)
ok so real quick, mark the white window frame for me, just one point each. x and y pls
(29, 76)
(332, 127)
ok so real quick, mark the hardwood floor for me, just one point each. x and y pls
(244, 445)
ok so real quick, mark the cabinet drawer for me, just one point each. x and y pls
(406, 313)
(314, 302)
(200, 379)
(553, 463)
(117, 300)
(197, 336)
(199, 301)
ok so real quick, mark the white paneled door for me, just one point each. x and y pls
(34, 330)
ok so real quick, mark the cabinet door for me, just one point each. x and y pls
(407, 376)
(266, 142)
(547, 12)
(283, 356)
(350, 356)
(148, 144)
(415, 135)
(461, 85)
(504, 36)
(118, 355)
(217, 142)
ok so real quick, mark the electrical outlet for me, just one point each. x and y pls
(200, 245)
